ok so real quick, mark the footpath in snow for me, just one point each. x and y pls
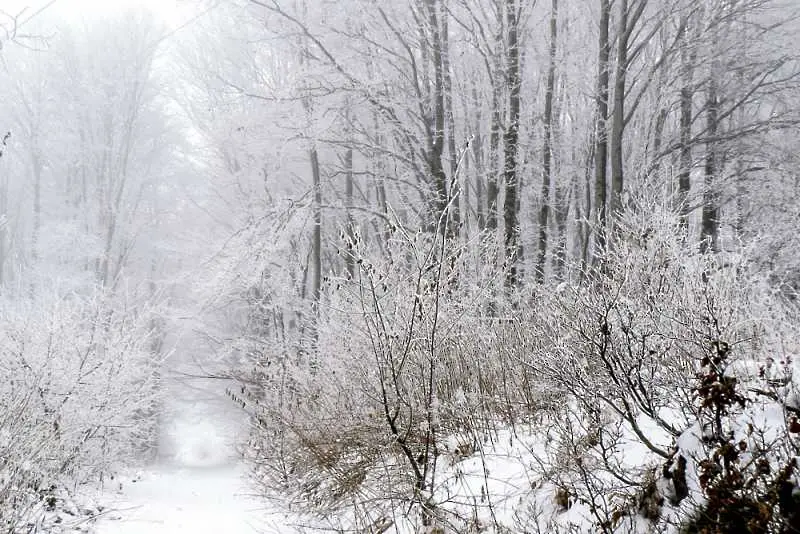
(183, 499)
(199, 486)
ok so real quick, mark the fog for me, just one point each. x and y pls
(350, 257)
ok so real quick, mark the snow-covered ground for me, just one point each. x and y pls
(198, 485)
(182, 499)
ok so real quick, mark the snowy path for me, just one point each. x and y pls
(191, 500)
(199, 487)
(194, 500)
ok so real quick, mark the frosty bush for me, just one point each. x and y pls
(407, 359)
(78, 395)
(363, 408)
(673, 423)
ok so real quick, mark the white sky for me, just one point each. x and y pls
(171, 12)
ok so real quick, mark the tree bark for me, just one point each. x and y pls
(480, 168)
(618, 114)
(688, 54)
(629, 17)
(3, 214)
(316, 246)
(601, 132)
(37, 204)
(547, 156)
(562, 201)
(510, 208)
(494, 170)
(709, 229)
(349, 259)
(452, 153)
(436, 135)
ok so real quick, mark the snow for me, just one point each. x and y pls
(199, 484)
(178, 499)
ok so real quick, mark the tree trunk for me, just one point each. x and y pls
(561, 214)
(3, 214)
(685, 158)
(316, 247)
(601, 132)
(510, 207)
(436, 133)
(37, 206)
(480, 168)
(455, 211)
(379, 176)
(547, 156)
(349, 258)
(105, 263)
(709, 230)
(583, 197)
(492, 188)
(494, 170)
(618, 115)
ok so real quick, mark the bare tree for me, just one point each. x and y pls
(601, 129)
(688, 58)
(511, 141)
(629, 17)
(547, 149)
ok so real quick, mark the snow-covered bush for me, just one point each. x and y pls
(747, 474)
(388, 415)
(678, 410)
(78, 394)
(410, 370)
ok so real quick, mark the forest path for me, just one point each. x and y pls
(199, 484)
(175, 499)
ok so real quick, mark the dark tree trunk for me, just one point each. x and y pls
(685, 159)
(492, 188)
(709, 229)
(618, 114)
(452, 153)
(349, 258)
(436, 137)
(316, 245)
(601, 130)
(510, 208)
(480, 168)
(547, 149)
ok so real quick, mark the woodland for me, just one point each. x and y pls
(464, 266)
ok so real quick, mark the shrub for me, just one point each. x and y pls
(78, 396)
